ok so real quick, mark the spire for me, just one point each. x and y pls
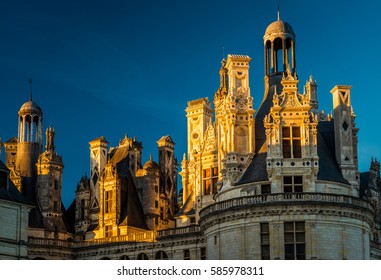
(278, 12)
(30, 87)
(150, 158)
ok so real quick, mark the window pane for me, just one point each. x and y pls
(298, 180)
(207, 173)
(286, 149)
(265, 228)
(287, 180)
(265, 239)
(289, 252)
(300, 252)
(207, 187)
(289, 237)
(297, 149)
(287, 189)
(215, 171)
(286, 132)
(265, 252)
(299, 226)
(300, 237)
(289, 226)
(299, 188)
(296, 132)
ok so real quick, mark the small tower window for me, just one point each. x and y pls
(294, 241)
(292, 184)
(82, 211)
(210, 178)
(56, 184)
(108, 202)
(265, 241)
(291, 140)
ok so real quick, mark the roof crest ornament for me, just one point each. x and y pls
(30, 87)
(278, 12)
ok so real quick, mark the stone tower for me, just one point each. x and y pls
(29, 146)
(49, 187)
(234, 117)
(98, 159)
(148, 182)
(168, 172)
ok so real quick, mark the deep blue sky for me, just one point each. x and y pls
(129, 67)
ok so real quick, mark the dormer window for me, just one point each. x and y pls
(291, 141)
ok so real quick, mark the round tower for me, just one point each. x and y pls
(279, 47)
(29, 145)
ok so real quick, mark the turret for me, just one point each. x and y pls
(49, 186)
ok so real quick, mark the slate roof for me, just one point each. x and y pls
(187, 208)
(257, 169)
(328, 167)
(131, 208)
(11, 193)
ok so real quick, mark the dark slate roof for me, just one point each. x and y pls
(187, 207)
(3, 166)
(257, 169)
(11, 193)
(131, 208)
(69, 216)
(328, 167)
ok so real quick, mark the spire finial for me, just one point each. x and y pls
(150, 157)
(278, 12)
(30, 87)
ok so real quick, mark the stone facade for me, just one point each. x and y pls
(279, 182)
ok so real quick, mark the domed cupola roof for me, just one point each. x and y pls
(30, 107)
(151, 165)
(280, 29)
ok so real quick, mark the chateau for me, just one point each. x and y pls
(277, 182)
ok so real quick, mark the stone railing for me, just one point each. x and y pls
(178, 231)
(49, 242)
(149, 236)
(285, 198)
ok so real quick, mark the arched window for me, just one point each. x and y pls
(105, 258)
(161, 255)
(124, 257)
(268, 58)
(278, 55)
